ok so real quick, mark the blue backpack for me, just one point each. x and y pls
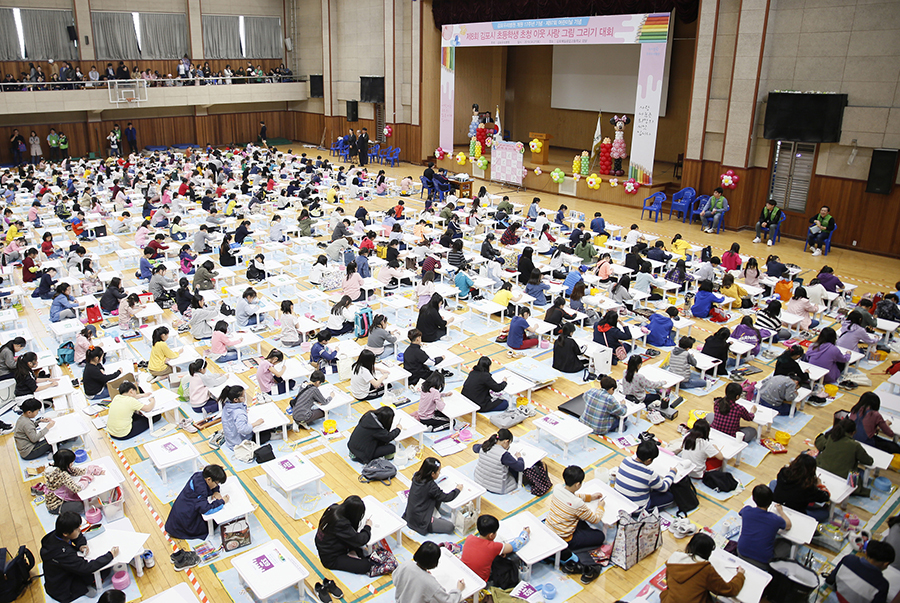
(65, 353)
(362, 321)
(349, 256)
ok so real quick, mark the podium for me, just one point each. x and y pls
(540, 158)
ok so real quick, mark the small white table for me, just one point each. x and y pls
(838, 487)
(101, 484)
(164, 401)
(238, 505)
(170, 452)
(293, 472)
(515, 384)
(339, 399)
(542, 543)
(451, 570)
(457, 405)
(755, 580)
(731, 447)
(269, 569)
(449, 479)
(409, 427)
(530, 455)
(816, 373)
(613, 501)
(181, 593)
(739, 349)
(653, 372)
(272, 416)
(66, 427)
(130, 543)
(385, 523)
(763, 416)
(881, 462)
(564, 428)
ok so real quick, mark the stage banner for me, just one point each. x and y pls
(650, 30)
(506, 162)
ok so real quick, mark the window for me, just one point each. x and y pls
(791, 174)
(136, 17)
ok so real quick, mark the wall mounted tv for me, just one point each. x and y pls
(804, 117)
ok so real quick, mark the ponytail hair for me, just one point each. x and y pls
(425, 472)
(844, 427)
(503, 434)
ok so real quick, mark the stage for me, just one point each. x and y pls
(663, 180)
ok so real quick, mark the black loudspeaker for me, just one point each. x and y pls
(316, 86)
(73, 35)
(352, 110)
(882, 171)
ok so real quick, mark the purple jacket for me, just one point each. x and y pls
(852, 335)
(830, 281)
(827, 356)
(748, 335)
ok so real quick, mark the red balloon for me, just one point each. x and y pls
(729, 173)
(735, 178)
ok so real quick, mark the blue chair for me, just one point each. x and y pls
(373, 154)
(683, 201)
(655, 206)
(427, 185)
(827, 245)
(776, 233)
(699, 202)
(383, 154)
(394, 158)
(441, 190)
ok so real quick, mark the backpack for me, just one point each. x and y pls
(638, 535)
(537, 476)
(254, 273)
(685, 495)
(362, 320)
(65, 353)
(349, 255)
(706, 254)
(720, 481)
(504, 573)
(894, 368)
(784, 290)
(508, 418)
(381, 470)
(16, 574)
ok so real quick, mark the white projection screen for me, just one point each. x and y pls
(600, 77)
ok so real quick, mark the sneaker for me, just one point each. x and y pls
(333, 588)
(187, 425)
(5, 427)
(769, 242)
(757, 240)
(216, 440)
(572, 567)
(655, 417)
(589, 574)
(322, 593)
(817, 252)
(682, 528)
(187, 560)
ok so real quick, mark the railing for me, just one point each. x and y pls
(166, 82)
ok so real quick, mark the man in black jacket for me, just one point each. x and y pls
(362, 143)
(769, 218)
(68, 575)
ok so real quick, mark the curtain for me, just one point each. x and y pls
(114, 37)
(46, 36)
(263, 37)
(163, 35)
(9, 38)
(221, 37)
(473, 11)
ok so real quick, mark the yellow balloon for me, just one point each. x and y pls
(461, 158)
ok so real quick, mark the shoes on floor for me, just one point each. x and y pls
(817, 252)
(769, 242)
(333, 588)
(187, 425)
(183, 560)
(572, 567)
(322, 593)
(589, 575)
(757, 240)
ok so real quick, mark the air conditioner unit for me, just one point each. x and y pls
(288, 44)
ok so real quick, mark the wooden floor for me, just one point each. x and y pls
(18, 524)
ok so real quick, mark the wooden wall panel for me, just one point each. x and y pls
(872, 221)
(165, 67)
(474, 81)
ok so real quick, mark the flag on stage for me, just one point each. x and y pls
(598, 136)
(497, 123)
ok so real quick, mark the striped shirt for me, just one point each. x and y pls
(635, 481)
(566, 509)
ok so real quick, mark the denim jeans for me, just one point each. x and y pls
(229, 356)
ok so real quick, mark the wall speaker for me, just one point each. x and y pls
(352, 110)
(73, 35)
(882, 171)
(316, 86)
(288, 44)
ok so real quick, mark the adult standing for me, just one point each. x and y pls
(820, 227)
(769, 217)
(262, 133)
(53, 142)
(362, 144)
(351, 142)
(131, 137)
(34, 142)
(17, 146)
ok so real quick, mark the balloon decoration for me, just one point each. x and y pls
(461, 158)
(536, 145)
(538, 171)
(440, 153)
(593, 181)
(472, 142)
(613, 182)
(729, 179)
(482, 163)
(488, 142)
(605, 159)
(524, 172)
(585, 163)
(477, 149)
(388, 130)
(520, 147)
(576, 164)
(632, 186)
(576, 177)
(558, 176)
